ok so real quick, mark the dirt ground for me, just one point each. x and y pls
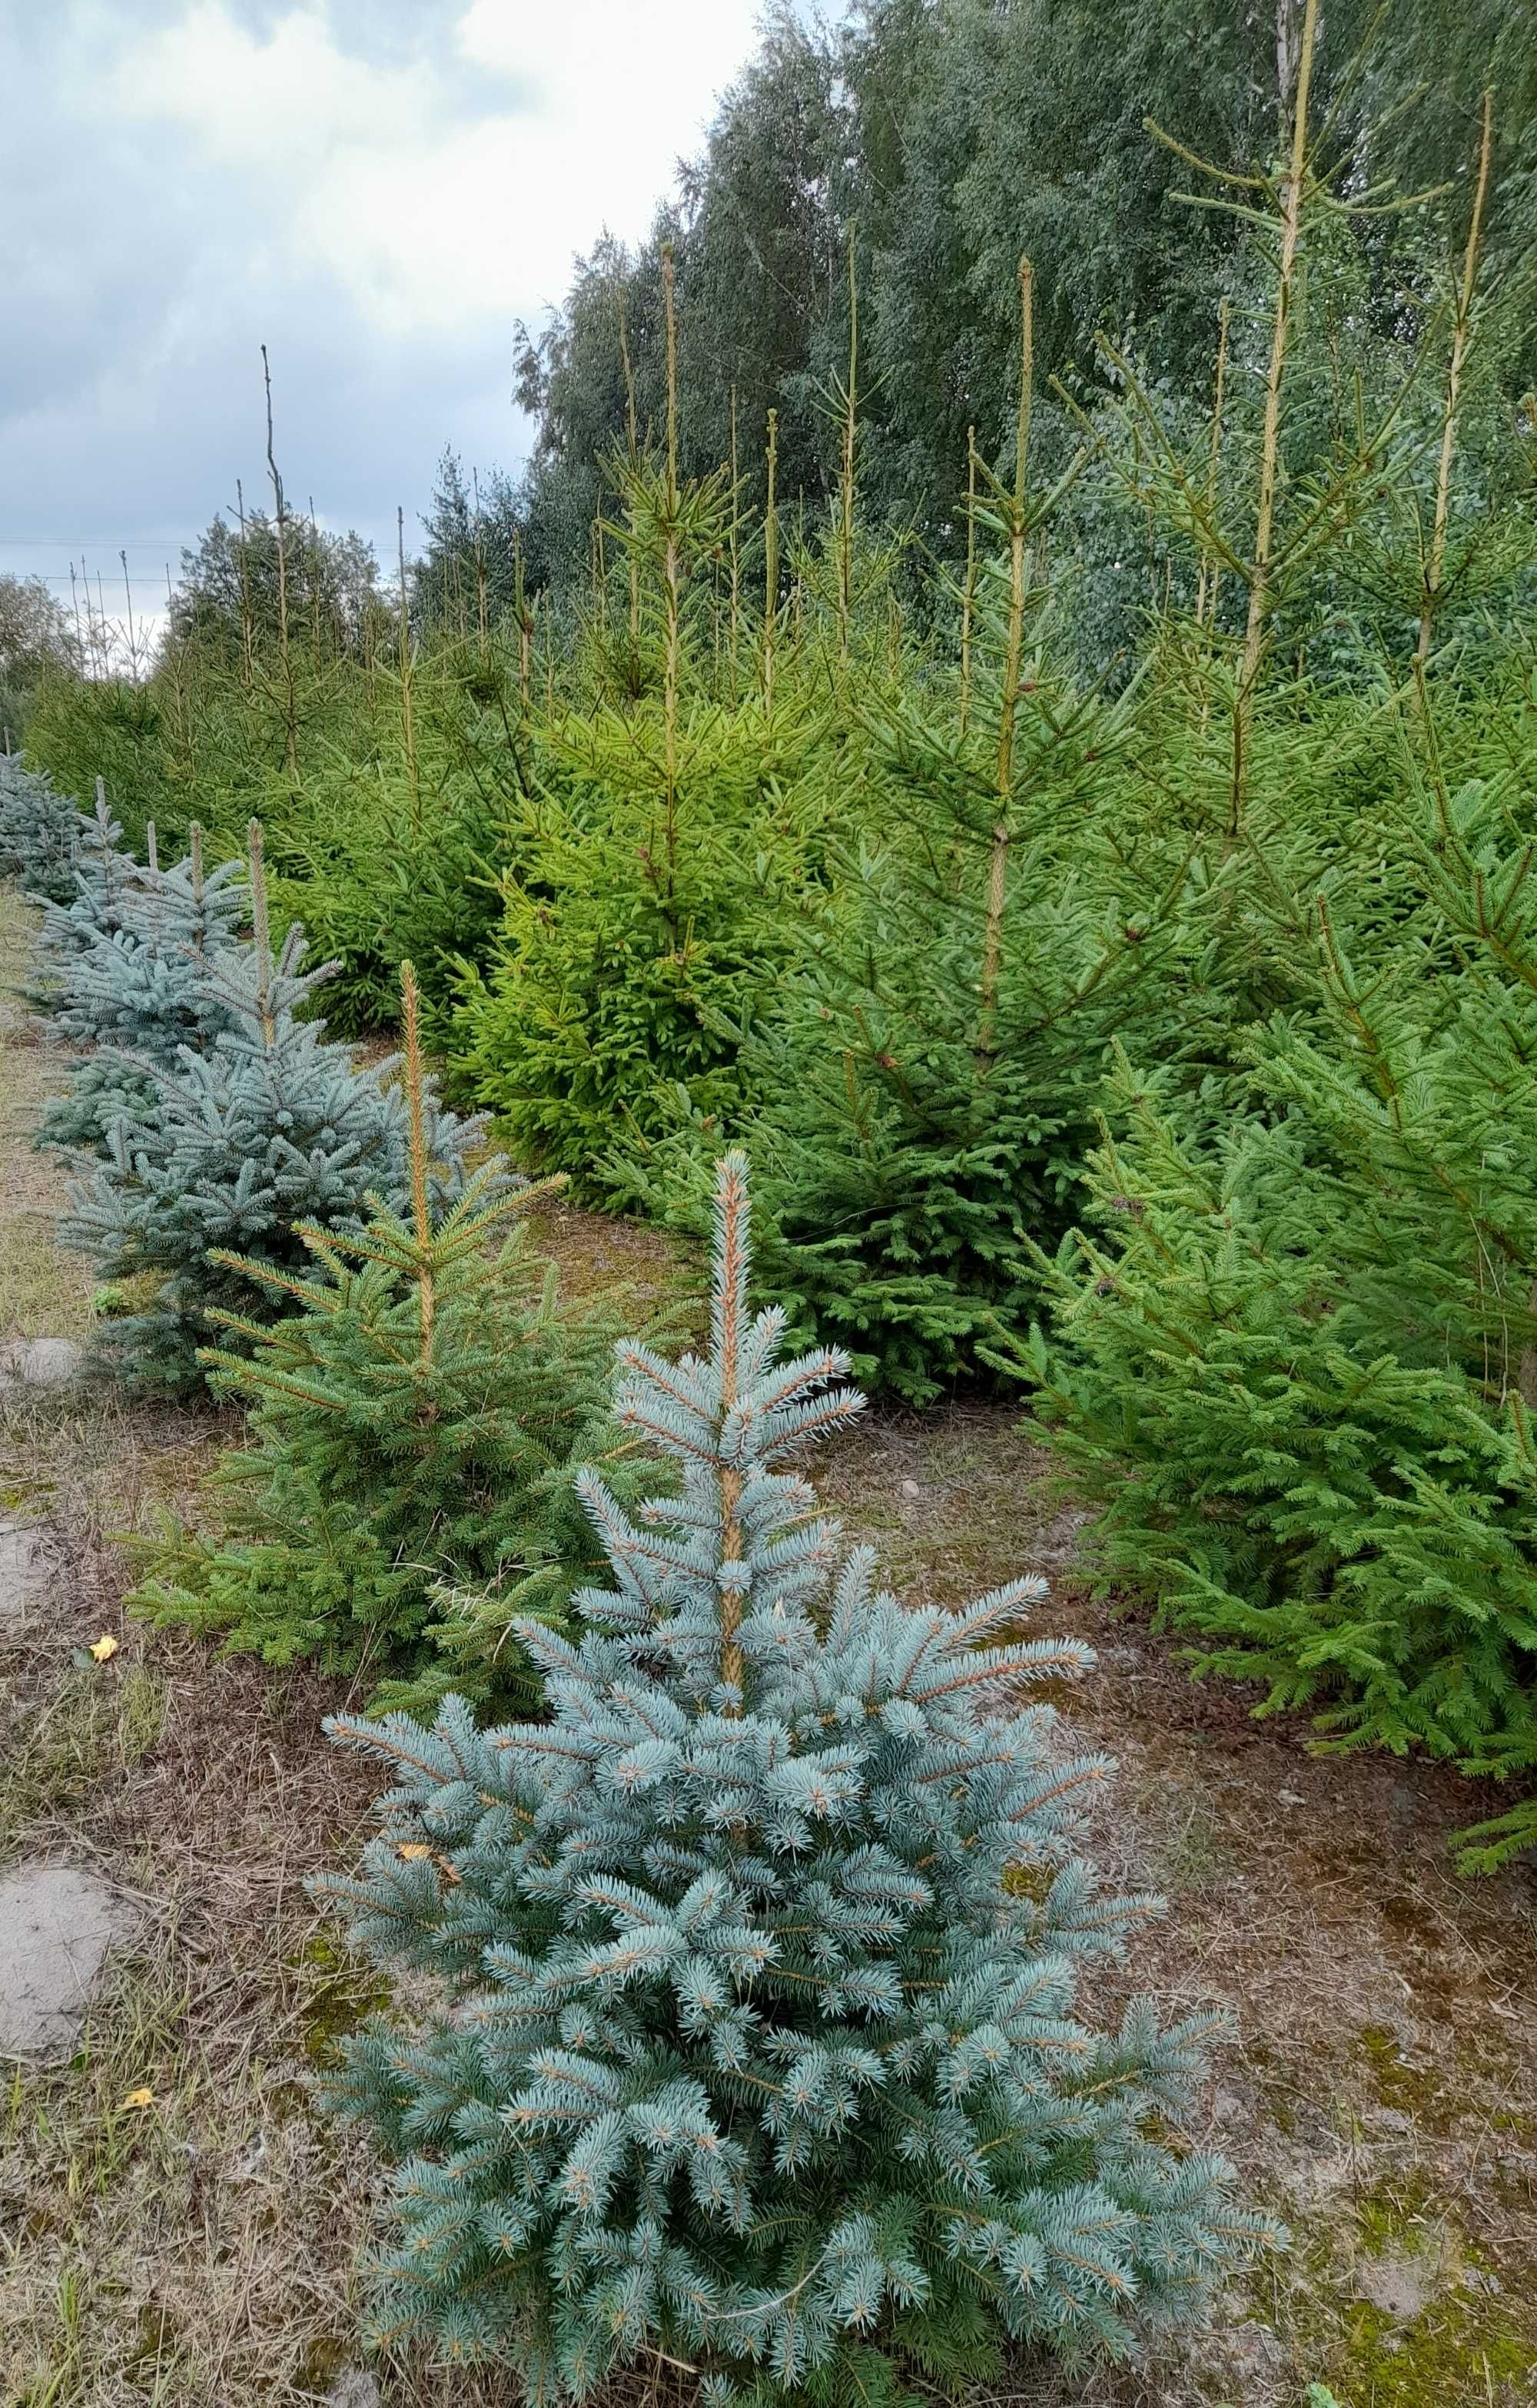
(196, 2249)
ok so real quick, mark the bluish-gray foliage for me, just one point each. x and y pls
(105, 896)
(134, 998)
(763, 2055)
(270, 1126)
(37, 833)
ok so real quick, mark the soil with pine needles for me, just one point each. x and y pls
(200, 2250)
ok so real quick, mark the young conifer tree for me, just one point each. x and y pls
(37, 833)
(140, 994)
(103, 899)
(1296, 1360)
(661, 824)
(919, 1098)
(761, 2059)
(273, 1128)
(417, 1417)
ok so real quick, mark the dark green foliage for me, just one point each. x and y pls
(899, 1189)
(866, 848)
(755, 2057)
(1297, 1367)
(379, 881)
(949, 137)
(611, 983)
(649, 919)
(119, 729)
(416, 1419)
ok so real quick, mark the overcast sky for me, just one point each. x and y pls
(376, 189)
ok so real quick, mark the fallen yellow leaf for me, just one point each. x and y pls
(412, 1851)
(104, 1647)
(138, 2097)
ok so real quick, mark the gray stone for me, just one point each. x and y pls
(354, 2387)
(41, 1362)
(56, 1926)
(23, 1564)
(911, 1488)
(1401, 2285)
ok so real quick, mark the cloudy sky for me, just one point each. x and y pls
(376, 189)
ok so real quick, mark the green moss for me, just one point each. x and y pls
(1413, 2088)
(1462, 2351)
(1454, 2352)
(1395, 2216)
(347, 1993)
(318, 2369)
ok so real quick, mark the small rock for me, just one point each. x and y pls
(911, 1488)
(56, 1926)
(24, 1562)
(1290, 1797)
(41, 1362)
(1401, 2285)
(354, 2387)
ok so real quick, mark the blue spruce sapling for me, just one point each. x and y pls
(272, 1127)
(37, 833)
(760, 2057)
(140, 994)
(103, 899)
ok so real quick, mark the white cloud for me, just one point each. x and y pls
(374, 188)
(460, 181)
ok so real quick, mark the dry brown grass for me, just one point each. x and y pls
(43, 1292)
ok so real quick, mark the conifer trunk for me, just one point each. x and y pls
(770, 565)
(1460, 331)
(408, 723)
(1257, 623)
(734, 555)
(845, 500)
(969, 591)
(998, 868)
(421, 1211)
(732, 1273)
(285, 656)
(1206, 591)
(672, 592)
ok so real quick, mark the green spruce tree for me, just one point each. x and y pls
(417, 1416)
